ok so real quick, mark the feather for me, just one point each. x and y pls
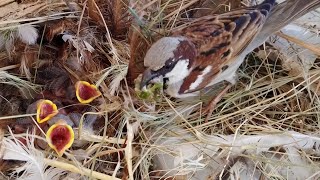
(2, 41)
(117, 76)
(23, 85)
(80, 44)
(213, 153)
(35, 167)
(220, 43)
(281, 16)
(27, 34)
(298, 58)
(28, 57)
(9, 40)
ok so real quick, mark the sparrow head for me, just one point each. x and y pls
(169, 58)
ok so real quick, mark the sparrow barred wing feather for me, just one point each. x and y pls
(218, 40)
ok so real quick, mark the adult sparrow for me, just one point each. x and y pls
(211, 49)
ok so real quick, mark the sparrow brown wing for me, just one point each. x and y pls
(218, 40)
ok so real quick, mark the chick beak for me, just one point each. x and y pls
(86, 92)
(60, 136)
(46, 109)
(147, 76)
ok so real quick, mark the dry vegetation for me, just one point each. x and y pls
(266, 127)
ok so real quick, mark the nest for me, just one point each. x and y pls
(267, 125)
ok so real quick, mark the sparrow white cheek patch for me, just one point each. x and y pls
(199, 79)
(179, 72)
(158, 79)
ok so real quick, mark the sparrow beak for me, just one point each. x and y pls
(46, 109)
(60, 137)
(86, 92)
(147, 76)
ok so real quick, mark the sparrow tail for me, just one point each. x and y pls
(288, 11)
(281, 15)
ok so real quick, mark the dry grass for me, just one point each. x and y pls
(136, 139)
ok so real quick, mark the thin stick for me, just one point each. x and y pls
(128, 149)
(301, 43)
(231, 147)
(35, 122)
(16, 116)
(9, 67)
(74, 169)
(94, 138)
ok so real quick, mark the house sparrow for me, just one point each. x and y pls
(210, 49)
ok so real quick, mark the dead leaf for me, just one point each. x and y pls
(138, 47)
(94, 13)
(57, 27)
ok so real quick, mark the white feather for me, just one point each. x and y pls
(34, 168)
(28, 34)
(200, 77)
(117, 76)
(179, 72)
(215, 149)
(88, 46)
(296, 59)
(79, 44)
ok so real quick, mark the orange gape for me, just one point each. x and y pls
(86, 92)
(46, 109)
(60, 137)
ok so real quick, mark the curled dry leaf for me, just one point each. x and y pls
(114, 13)
(57, 27)
(81, 45)
(94, 13)
(137, 45)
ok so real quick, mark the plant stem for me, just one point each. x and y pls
(82, 171)
(16, 116)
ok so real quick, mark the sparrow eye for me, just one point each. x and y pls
(168, 65)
